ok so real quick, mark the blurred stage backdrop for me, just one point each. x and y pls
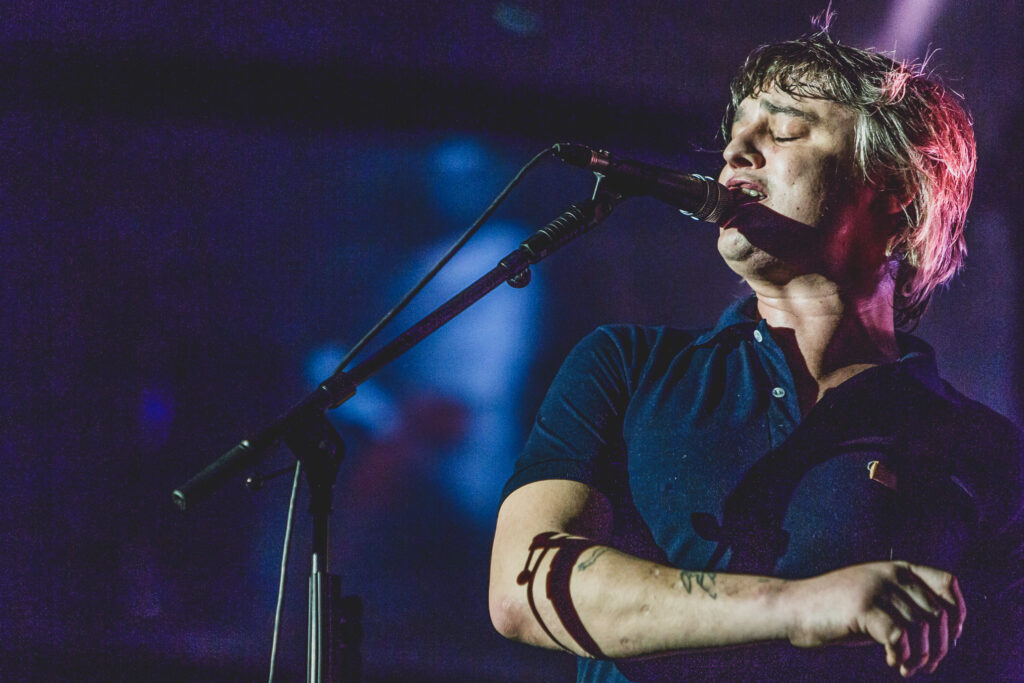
(202, 207)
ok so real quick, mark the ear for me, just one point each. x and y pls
(890, 198)
(893, 201)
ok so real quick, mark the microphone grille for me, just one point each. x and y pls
(718, 202)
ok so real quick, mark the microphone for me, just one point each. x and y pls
(696, 196)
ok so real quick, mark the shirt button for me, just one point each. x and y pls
(758, 336)
(778, 392)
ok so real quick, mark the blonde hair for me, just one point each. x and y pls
(913, 139)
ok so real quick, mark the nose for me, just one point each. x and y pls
(742, 150)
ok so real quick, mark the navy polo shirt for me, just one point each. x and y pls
(698, 441)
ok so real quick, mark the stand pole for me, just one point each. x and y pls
(333, 631)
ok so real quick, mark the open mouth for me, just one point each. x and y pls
(751, 192)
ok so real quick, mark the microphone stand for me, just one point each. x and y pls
(334, 630)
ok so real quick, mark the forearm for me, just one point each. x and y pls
(553, 589)
(631, 607)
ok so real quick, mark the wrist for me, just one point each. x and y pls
(787, 604)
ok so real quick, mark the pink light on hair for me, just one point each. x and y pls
(913, 139)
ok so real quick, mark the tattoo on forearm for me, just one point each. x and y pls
(589, 562)
(703, 580)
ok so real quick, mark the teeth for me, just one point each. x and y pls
(752, 193)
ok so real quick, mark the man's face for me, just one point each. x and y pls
(795, 156)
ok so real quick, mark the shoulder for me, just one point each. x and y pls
(951, 413)
(634, 344)
(627, 352)
(986, 456)
(981, 425)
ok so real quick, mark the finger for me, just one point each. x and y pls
(893, 644)
(906, 601)
(913, 647)
(919, 640)
(941, 591)
(928, 629)
(940, 642)
(947, 587)
(957, 622)
(919, 589)
(905, 627)
(941, 611)
(889, 628)
(901, 649)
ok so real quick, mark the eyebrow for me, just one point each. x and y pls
(772, 108)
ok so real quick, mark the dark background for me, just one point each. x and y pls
(202, 206)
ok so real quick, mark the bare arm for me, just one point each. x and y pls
(629, 607)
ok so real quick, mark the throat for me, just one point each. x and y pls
(828, 337)
(819, 367)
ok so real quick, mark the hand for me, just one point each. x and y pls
(912, 611)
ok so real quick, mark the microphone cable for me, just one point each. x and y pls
(284, 567)
(454, 249)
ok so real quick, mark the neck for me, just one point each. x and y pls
(828, 335)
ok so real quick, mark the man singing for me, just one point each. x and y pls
(737, 503)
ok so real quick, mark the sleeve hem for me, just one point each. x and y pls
(572, 470)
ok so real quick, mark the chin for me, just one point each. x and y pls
(743, 258)
(733, 245)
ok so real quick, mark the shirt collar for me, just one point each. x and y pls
(917, 357)
(918, 361)
(740, 316)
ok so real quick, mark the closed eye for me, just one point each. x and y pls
(783, 139)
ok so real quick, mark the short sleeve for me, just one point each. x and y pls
(579, 425)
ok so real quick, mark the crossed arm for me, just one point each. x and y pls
(610, 604)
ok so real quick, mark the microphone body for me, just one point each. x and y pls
(696, 196)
